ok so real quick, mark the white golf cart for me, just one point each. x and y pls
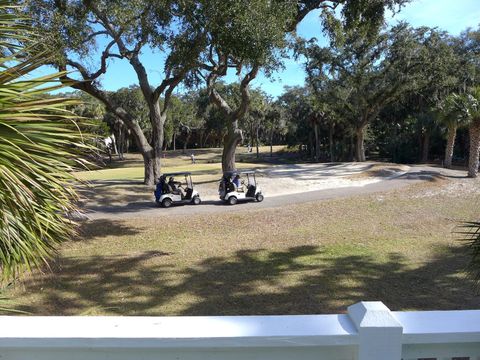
(232, 193)
(176, 192)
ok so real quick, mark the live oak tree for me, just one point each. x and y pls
(371, 70)
(238, 39)
(84, 33)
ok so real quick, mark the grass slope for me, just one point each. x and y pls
(319, 257)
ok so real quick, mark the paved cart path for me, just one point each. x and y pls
(415, 174)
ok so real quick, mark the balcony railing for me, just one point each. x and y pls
(368, 331)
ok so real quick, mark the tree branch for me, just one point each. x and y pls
(174, 82)
(244, 88)
(95, 34)
(219, 70)
(103, 61)
(305, 6)
(89, 87)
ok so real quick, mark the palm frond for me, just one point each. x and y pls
(40, 147)
(470, 233)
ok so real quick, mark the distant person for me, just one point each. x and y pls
(249, 148)
(192, 157)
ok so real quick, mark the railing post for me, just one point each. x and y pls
(380, 334)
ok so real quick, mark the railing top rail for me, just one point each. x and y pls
(439, 326)
(185, 331)
(367, 323)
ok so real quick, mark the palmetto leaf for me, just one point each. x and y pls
(39, 148)
(470, 233)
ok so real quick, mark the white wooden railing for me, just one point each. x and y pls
(369, 331)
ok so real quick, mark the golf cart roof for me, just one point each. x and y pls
(178, 173)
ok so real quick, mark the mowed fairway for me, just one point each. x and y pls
(208, 162)
(318, 257)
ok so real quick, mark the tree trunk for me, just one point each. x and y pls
(317, 142)
(185, 144)
(157, 120)
(473, 159)
(119, 137)
(148, 162)
(452, 132)
(114, 144)
(136, 131)
(202, 138)
(330, 142)
(151, 153)
(174, 140)
(147, 152)
(121, 143)
(233, 137)
(205, 140)
(109, 152)
(425, 146)
(234, 134)
(351, 148)
(360, 144)
(256, 141)
(271, 141)
(311, 147)
(394, 150)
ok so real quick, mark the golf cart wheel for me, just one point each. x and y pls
(232, 200)
(166, 203)
(196, 200)
(259, 197)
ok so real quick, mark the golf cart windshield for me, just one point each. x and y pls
(187, 176)
(250, 175)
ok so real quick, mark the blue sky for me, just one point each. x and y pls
(452, 16)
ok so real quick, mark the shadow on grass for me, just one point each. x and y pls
(126, 208)
(102, 228)
(299, 280)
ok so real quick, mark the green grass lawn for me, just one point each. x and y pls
(319, 257)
